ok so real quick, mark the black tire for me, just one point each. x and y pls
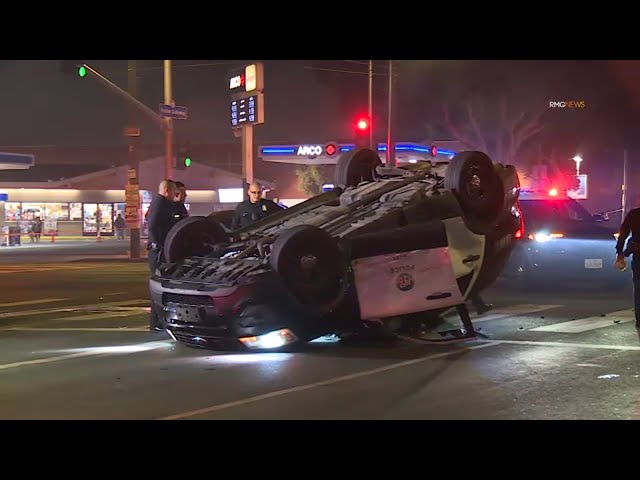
(312, 267)
(358, 165)
(472, 178)
(192, 237)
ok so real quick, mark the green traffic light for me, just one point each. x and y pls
(82, 72)
(187, 162)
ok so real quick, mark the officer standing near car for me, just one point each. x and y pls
(180, 210)
(631, 225)
(160, 219)
(254, 209)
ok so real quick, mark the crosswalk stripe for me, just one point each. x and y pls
(588, 323)
(32, 302)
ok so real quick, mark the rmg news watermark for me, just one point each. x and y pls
(567, 104)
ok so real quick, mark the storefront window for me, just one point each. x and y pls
(75, 211)
(106, 216)
(12, 211)
(118, 208)
(56, 211)
(92, 213)
(89, 224)
(32, 210)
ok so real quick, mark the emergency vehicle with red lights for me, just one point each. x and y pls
(562, 244)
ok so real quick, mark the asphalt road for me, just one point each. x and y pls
(74, 345)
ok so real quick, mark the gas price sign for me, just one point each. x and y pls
(247, 111)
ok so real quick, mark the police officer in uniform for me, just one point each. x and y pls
(631, 225)
(179, 207)
(254, 209)
(161, 219)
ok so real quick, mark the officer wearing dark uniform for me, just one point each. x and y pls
(180, 211)
(631, 225)
(160, 219)
(254, 209)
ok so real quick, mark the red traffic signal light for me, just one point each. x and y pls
(362, 124)
(362, 128)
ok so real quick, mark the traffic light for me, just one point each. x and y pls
(362, 127)
(184, 158)
(73, 67)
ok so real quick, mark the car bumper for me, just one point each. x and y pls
(224, 318)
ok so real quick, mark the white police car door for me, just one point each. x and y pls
(418, 280)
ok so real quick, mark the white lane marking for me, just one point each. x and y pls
(97, 351)
(97, 316)
(588, 323)
(566, 345)
(71, 308)
(323, 383)
(115, 293)
(33, 302)
(42, 268)
(76, 329)
(521, 309)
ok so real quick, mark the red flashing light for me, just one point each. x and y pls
(553, 192)
(520, 232)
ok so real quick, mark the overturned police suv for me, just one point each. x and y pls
(386, 243)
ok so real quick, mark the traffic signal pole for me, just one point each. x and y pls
(391, 153)
(371, 144)
(133, 188)
(247, 154)
(168, 131)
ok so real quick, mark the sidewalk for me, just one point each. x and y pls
(68, 243)
(25, 239)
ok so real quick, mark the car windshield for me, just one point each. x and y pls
(556, 210)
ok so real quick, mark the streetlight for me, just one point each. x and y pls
(577, 159)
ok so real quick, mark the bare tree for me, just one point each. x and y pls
(493, 127)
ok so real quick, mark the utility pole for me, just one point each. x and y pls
(371, 144)
(624, 183)
(247, 155)
(132, 189)
(168, 131)
(391, 154)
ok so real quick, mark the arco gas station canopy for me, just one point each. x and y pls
(328, 153)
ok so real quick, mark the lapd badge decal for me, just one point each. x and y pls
(404, 282)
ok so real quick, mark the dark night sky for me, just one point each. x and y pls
(43, 106)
